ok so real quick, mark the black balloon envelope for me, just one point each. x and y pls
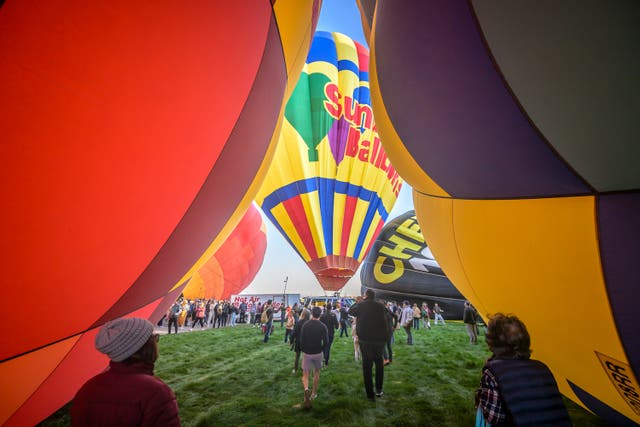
(400, 267)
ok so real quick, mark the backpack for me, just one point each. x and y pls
(175, 310)
(264, 318)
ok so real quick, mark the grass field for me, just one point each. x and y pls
(229, 377)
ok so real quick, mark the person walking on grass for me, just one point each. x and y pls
(426, 314)
(469, 319)
(331, 322)
(344, 321)
(392, 320)
(295, 338)
(173, 314)
(267, 319)
(417, 314)
(406, 320)
(291, 322)
(437, 314)
(314, 338)
(372, 330)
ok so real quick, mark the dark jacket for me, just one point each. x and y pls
(296, 334)
(530, 392)
(372, 321)
(469, 315)
(330, 321)
(344, 315)
(314, 337)
(125, 395)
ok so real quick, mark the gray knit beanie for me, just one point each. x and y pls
(121, 338)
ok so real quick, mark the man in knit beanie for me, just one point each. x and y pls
(127, 393)
(119, 339)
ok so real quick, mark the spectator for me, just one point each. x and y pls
(314, 338)
(392, 320)
(426, 314)
(199, 316)
(344, 321)
(291, 322)
(173, 314)
(514, 389)
(267, 319)
(304, 316)
(437, 314)
(331, 322)
(469, 319)
(406, 320)
(416, 316)
(372, 329)
(127, 393)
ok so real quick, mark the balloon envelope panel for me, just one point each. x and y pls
(517, 128)
(401, 266)
(235, 264)
(331, 186)
(119, 123)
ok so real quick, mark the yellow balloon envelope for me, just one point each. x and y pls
(517, 127)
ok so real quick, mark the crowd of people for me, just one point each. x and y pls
(129, 394)
(211, 313)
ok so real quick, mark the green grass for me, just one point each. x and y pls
(229, 377)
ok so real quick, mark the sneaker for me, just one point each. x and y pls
(307, 399)
(313, 396)
(379, 393)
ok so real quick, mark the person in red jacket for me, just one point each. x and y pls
(127, 393)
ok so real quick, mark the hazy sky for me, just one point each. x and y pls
(281, 260)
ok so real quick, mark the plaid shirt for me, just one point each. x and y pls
(488, 398)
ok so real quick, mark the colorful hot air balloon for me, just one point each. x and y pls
(516, 124)
(235, 263)
(132, 134)
(401, 266)
(330, 187)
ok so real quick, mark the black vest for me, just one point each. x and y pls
(530, 392)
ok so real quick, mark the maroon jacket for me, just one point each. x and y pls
(125, 395)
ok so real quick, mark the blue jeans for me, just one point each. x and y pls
(267, 330)
(409, 337)
(327, 350)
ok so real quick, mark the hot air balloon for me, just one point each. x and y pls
(517, 127)
(331, 186)
(400, 266)
(234, 264)
(132, 136)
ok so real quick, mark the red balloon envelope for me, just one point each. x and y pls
(132, 134)
(235, 264)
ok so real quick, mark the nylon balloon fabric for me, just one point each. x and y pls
(235, 264)
(400, 266)
(516, 126)
(134, 136)
(331, 186)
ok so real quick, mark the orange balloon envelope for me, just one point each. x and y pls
(132, 135)
(235, 264)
